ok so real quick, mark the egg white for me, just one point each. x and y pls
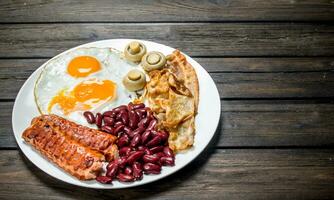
(55, 78)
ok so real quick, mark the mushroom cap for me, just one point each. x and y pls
(134, 51)
(134, 80)
(153, 60)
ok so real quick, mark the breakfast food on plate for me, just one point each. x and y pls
(83, 79)
(153, 61)
(75, 158)
(92, 102)
(173, 96)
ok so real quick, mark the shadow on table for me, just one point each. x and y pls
(154, 189)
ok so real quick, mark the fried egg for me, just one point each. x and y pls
(83, 79)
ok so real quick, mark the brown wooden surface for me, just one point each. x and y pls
(272, 62)
(166, 10)
(195, 39)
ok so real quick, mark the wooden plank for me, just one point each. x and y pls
(275, 85)
(223, 174)
(276, 123)
(195, 39)
(6, 132)
(125, 10)
(22, 68)
(249, 124)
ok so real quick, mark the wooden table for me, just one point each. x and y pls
(272, 62)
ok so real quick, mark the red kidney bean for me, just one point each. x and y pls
(151, 158)
(135, 140)
(130, 106)
(148, 151)
(157, 149)
(123, 141)
(138, 106)
(104, 179)
(137, 170)
(168, 151)
(107, 129)
(118, 117)
(167, 161)
(119, 123)
(121, 162)
(142, 111)
(163, 135)
(149, 113)
(133, 119)
(125, 178)
(127, 130)
(118, 129)
(98, 120)
(144, 122)
(112, 169)
(134, 156)
(152, 124)
(128, 170)
(139, 114)
(124, 151)
(131, 134)
(89, 117)
(119, 108)
(141, 148)
(154, 142)
(139, 130)
(109, 114)
(151, 168)
(145, 137)
(125, 118)
(108, 120)
(160, 154)
(145, 149)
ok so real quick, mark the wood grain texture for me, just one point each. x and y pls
(24, 67)
(195, 39)
(235, 77)
(249, 124)
(125, 10)
(219, 174)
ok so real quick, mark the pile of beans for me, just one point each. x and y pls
(142, 148)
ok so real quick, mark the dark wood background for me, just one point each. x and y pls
(272, 62)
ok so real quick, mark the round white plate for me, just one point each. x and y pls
(206, 120)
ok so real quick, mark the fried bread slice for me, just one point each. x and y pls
(173, 95)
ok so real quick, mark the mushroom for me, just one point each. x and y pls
(134, 80)
(134, 51)
(153, 60)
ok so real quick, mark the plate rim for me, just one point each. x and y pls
(111, 186)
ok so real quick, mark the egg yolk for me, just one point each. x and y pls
(82, 66)
(84, 96)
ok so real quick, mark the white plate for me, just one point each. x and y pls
(206, 120)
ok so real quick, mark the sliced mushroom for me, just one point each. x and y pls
(153, 60)
(134, 51)
(134, 80)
